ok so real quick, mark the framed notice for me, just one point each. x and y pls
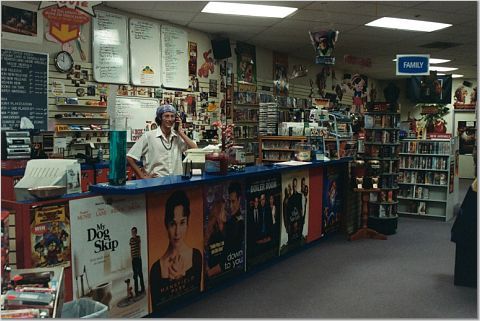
(22, 22)
(175, 58)
(110, 49)
(144, 53)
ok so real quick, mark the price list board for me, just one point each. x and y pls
(24, 89)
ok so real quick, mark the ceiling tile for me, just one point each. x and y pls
(224, 28)
(175, 17)
(331, 17)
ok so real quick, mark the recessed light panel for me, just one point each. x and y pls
(245, 9)
(438, 68)
(407, 24)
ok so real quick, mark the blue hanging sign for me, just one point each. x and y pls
(417, 65)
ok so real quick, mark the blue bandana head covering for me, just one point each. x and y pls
(164, 109)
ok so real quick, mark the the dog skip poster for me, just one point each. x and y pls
(295, 208)
(175, 246)
(263, 218)
(224, 228)
(109, 253)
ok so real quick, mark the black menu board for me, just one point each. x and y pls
(24, 89)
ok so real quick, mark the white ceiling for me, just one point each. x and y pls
(290, 34)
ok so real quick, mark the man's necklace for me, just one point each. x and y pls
(169, 147)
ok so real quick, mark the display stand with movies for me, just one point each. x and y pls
(427, 178)
(382, 121)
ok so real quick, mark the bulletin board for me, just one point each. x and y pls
(132, 114)
(174, 57)
(145, 53)
(24, 89)
(110, 48)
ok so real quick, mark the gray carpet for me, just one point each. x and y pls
(410, 275)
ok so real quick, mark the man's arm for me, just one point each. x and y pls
(138, 171)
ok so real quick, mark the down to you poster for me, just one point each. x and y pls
(109, 253)
(224, 228)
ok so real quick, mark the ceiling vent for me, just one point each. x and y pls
(440, 45)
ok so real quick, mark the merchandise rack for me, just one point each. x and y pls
(382, 144)
(427, 178)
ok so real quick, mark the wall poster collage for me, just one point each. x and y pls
(295, 209)
(175, 245)
(263, 218)
(224, 231)
(110, 259)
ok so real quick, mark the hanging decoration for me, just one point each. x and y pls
(65, 21)
(207, 66)
(298, 71)
(323, 42)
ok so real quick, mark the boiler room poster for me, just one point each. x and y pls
(175, 245)
(295, 208)
(104, 265)
(224, 228)
(263, 218)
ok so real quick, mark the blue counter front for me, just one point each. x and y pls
(153, 243)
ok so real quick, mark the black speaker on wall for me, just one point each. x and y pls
(221, 48)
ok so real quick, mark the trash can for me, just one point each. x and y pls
(84, 308)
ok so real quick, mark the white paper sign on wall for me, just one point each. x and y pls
(174, 57)
(145, 53)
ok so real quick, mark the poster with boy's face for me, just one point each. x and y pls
(224, 230)
(295, 208)
(175, 245)
(263, 218)
(109, 253)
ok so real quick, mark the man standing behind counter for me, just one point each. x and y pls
(161, 149)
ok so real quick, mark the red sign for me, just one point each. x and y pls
(65, 22)
(439, 136)
(352, 60)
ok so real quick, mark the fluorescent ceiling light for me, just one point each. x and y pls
(438, 68)
(244, 9)
(453, 75)
(434, 60)
(407, 24)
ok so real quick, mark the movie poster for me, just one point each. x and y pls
(246, 67)
(224, 231)
(263, 218)
(109, 247)
(295, 209)
(315, 208)
(280, 71)
(50, 235)
(466, 136)
(332, 204)
(451, 182)
(175, 245)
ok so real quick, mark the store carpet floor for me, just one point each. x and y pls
(410, 275)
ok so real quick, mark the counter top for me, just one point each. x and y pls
(167, 183)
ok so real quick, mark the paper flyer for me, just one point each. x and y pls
(109, 253)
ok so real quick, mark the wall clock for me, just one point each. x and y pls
(64, 61)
